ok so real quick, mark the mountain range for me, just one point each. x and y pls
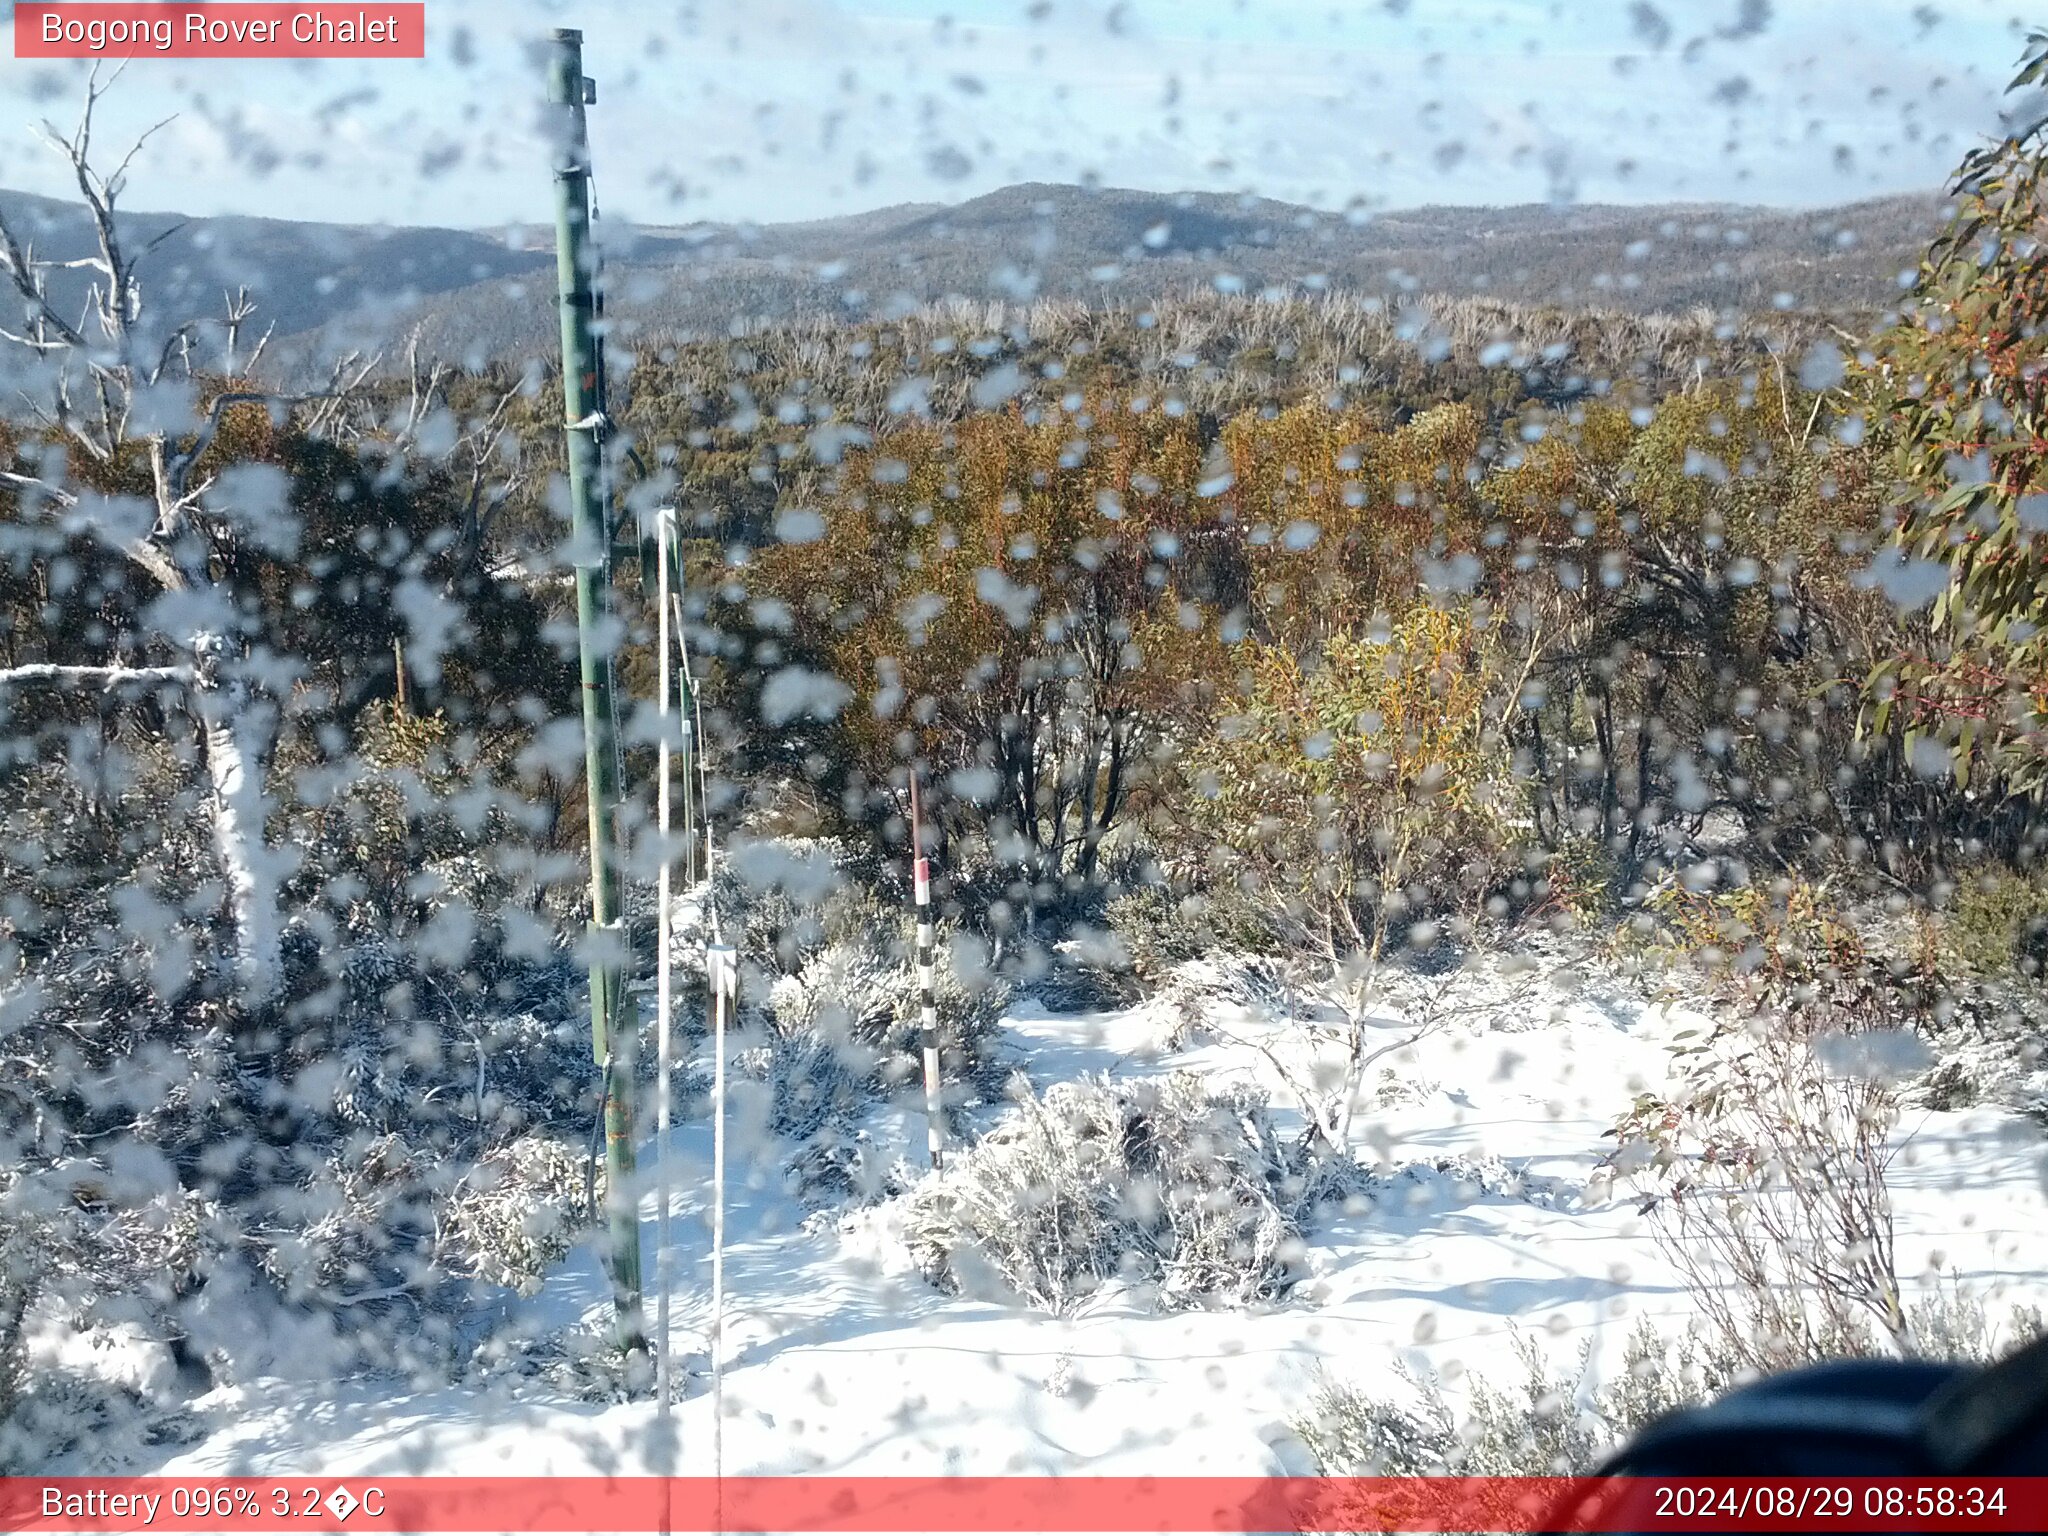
(475, 296)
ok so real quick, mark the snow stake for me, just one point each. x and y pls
(921, 889)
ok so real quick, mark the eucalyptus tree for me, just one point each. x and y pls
(125, 425)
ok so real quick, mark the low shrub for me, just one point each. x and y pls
(1194, 989)
(579, 1362)
(1540, 1428)
(1554, 1421)
(1997, 924)
(1581, 879)
(89, 1242)
(1558, 1422)
(847, 1033)
(781, 901)
(1158, 930)
(863, 1002)
(1952, 1323)
(1089, 971)
(1949, 1086)
(1161, 1183)
(65, 1412)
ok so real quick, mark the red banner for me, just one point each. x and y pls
(319, 30)
(371, 1502)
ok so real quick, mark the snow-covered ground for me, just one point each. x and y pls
(842, 1358)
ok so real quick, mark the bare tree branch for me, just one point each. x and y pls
(62, 497)
(179, 340)
(236, 722)
(179, 464)
(37, 343)
(25, 273)
(256, 355)
(105, 678)
(119, 179)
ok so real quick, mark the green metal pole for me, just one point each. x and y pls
(612, 1027)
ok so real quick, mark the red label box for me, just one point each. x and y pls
(1010, 1506)
(319, 30)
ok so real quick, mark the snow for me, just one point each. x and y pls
(842, 1358)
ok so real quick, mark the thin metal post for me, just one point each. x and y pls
(664, 995)
(721, 964)
(611, 1026)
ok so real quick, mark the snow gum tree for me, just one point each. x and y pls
(1354, 801)
(124, 457)
(1958, 381)
(245, 552)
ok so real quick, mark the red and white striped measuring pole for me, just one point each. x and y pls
(921, 886)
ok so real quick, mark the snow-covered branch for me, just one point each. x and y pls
(105, 678)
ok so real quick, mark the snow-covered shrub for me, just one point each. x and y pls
(1765, 1166)
(579, 1362)
(819, 1090)
(1990, 1041)
(1952, 1322)
(90, 1240)
(847, 1033)
(1159, 930)
(516, 1212)
(828, 978)
(816, 1083)
(861, 913)
(395, 1218)
(782, 900)
(1161, 1183)
(864, 1004)
(1195, 989)
(13, 1370)
(1090, 970)
(1551, 1423)
(1949, 1086)
(64, 1411)
(366, 1227)
(1448, 1177)
(70, 849)
(1557, 1422)
(1354, 1434)
(402, 1048)
(18, 1280)
(398, 830)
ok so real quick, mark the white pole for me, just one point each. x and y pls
(664, 995)
(722, 964)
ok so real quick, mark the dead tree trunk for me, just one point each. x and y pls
(232, 728)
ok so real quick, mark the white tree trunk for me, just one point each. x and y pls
(232, 737)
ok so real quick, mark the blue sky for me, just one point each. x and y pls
(781, 109)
